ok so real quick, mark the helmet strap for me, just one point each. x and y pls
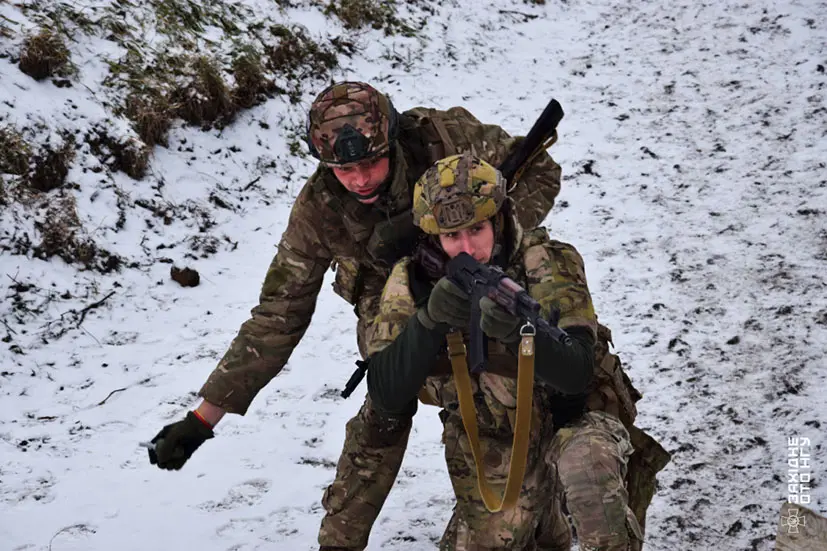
(500, 253)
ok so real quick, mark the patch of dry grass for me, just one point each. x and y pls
(129, 155)
(151, 113)
(15, 152)
(50, 166)
(361, 14)
(205, 99)
(298, 59)
(62, 235)
(251, 86)
(44, 54)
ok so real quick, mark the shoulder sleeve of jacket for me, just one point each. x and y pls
(557, 278)
(286, 304)
(396, 307)
(539, 185)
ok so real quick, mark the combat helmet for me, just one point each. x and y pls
(456, 193)
(350, 122)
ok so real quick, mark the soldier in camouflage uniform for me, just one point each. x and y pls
(353, 215)
(461, 202)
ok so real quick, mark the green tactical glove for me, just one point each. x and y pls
(178, 441)
(447, 304)
(497, 323)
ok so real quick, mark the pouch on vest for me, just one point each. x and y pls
(646, 461)
(348, 281)
(613, 390)
(393, 238)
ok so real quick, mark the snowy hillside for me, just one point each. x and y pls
(167, 133)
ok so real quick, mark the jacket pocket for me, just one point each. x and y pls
(348, 281)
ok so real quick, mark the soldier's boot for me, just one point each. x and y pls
(371, 458)
(591, 456)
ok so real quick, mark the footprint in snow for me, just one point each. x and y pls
(245, 494)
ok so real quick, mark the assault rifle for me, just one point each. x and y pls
(480, 280)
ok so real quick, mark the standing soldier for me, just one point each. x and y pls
(352, 214)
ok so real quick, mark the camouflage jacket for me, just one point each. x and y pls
(553, 274)
(328, 228)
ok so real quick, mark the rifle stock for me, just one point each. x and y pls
(544, 127)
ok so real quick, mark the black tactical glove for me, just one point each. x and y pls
(447, 304)
(178, 441)
(497, 323)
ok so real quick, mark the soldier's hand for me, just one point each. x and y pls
(177, 442)
(447, 304)
(497, 323)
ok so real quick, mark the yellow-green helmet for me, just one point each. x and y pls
(456, 193)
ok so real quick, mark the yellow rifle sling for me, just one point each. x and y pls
(522, 431)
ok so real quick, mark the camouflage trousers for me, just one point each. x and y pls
(472, 527)
(371, 458)
(591, 456)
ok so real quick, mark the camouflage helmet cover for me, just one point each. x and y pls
(456, 193)
(356, 112)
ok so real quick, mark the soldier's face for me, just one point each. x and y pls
(364, 177)
(478, 241)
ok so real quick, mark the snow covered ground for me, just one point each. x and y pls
(694, 151)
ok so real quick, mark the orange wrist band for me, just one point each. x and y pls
(201, 418)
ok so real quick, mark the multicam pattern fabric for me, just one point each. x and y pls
(472, 527)
(328, 228)
(553, 274)
(595, 488)
(366, 471)
(457, 192)
(353, 104)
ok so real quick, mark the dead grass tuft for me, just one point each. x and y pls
(206, 98)
(130, 155)
(15, 152)
(50, 166)
(251, 86)
(62, 235)
(151, 113)
(376, 14)
(296, 52)
(44, 54)
(298, 58)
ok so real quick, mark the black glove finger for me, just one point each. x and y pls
(176, 464)
(175, 461)
(448, 286)
(164, 450)
(161, 434)
(490, 308)
(153, 457)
